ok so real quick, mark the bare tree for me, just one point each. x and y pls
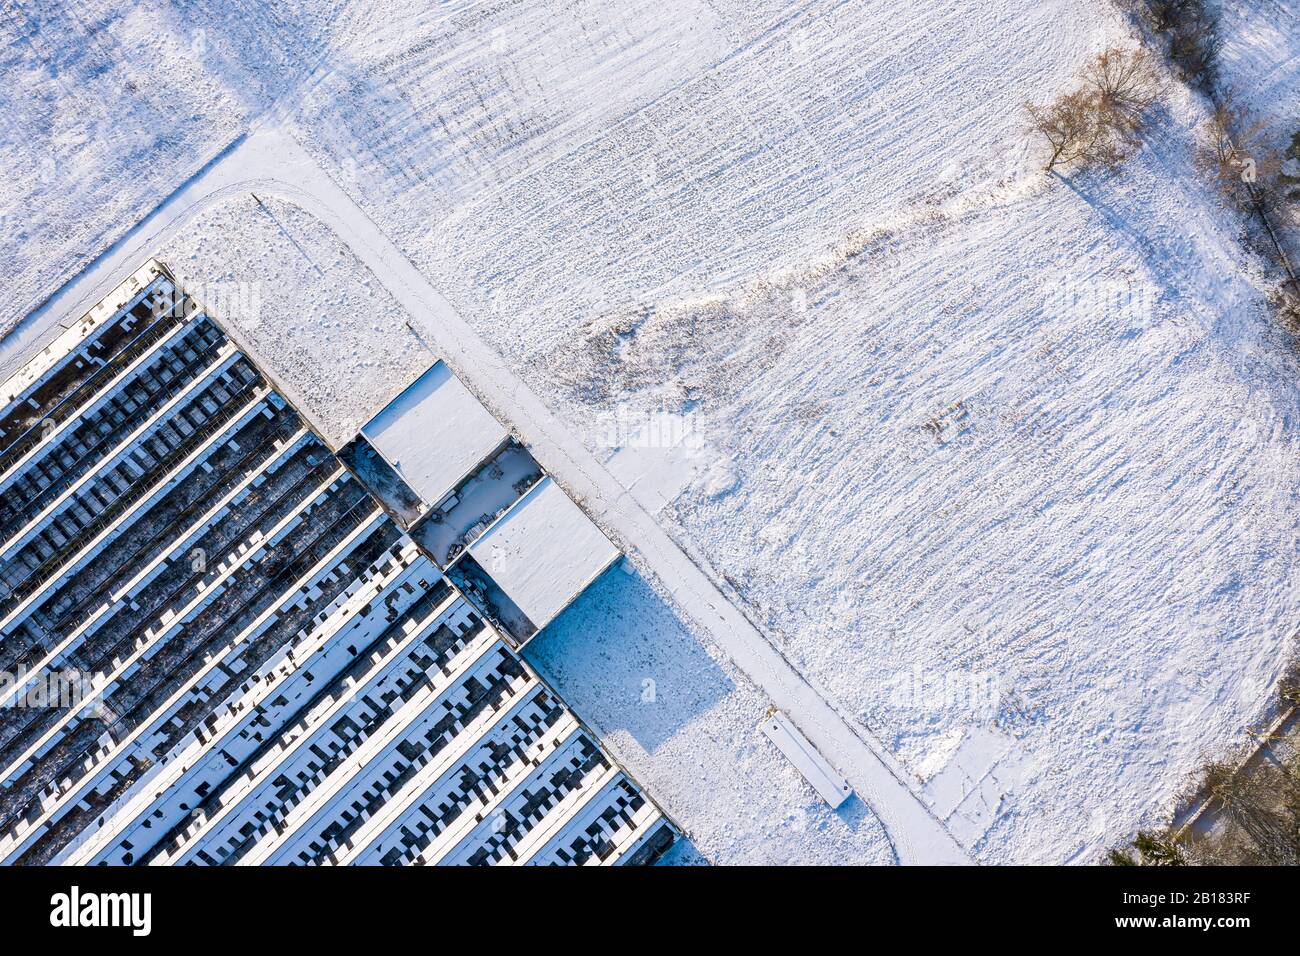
(1069, 125)
(1190, 28)
(1249, 800)
(1167, 14)
(1125, 86)
(1195, 44)
(1232, 152)
(1096, 124)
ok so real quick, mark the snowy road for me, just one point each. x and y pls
(269, 162)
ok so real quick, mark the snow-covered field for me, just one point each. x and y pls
(1261, 53)
(998, 461)
(1055, 526)
(1260, 64)
(106, 107)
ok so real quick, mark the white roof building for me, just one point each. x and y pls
(543, 552)
(435, 433)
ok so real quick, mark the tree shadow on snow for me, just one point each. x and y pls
(1132, 209)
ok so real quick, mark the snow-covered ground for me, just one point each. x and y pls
(1047, 518)
(337, 344)
(684, 721)
(998, 461)
(105, 108)
(1260, 60)
(1260, 64)
(501, 154)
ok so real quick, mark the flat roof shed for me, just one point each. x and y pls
(435, 433)
(543, 552)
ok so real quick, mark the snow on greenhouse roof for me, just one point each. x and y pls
(544, 552)
(435, 433)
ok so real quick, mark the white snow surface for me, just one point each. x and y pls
(109, 105)
(1260, 61)
(336, 343)
(685, 722)
(1001, 462)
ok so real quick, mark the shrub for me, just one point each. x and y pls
(1194, 48)
(1152, 848)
